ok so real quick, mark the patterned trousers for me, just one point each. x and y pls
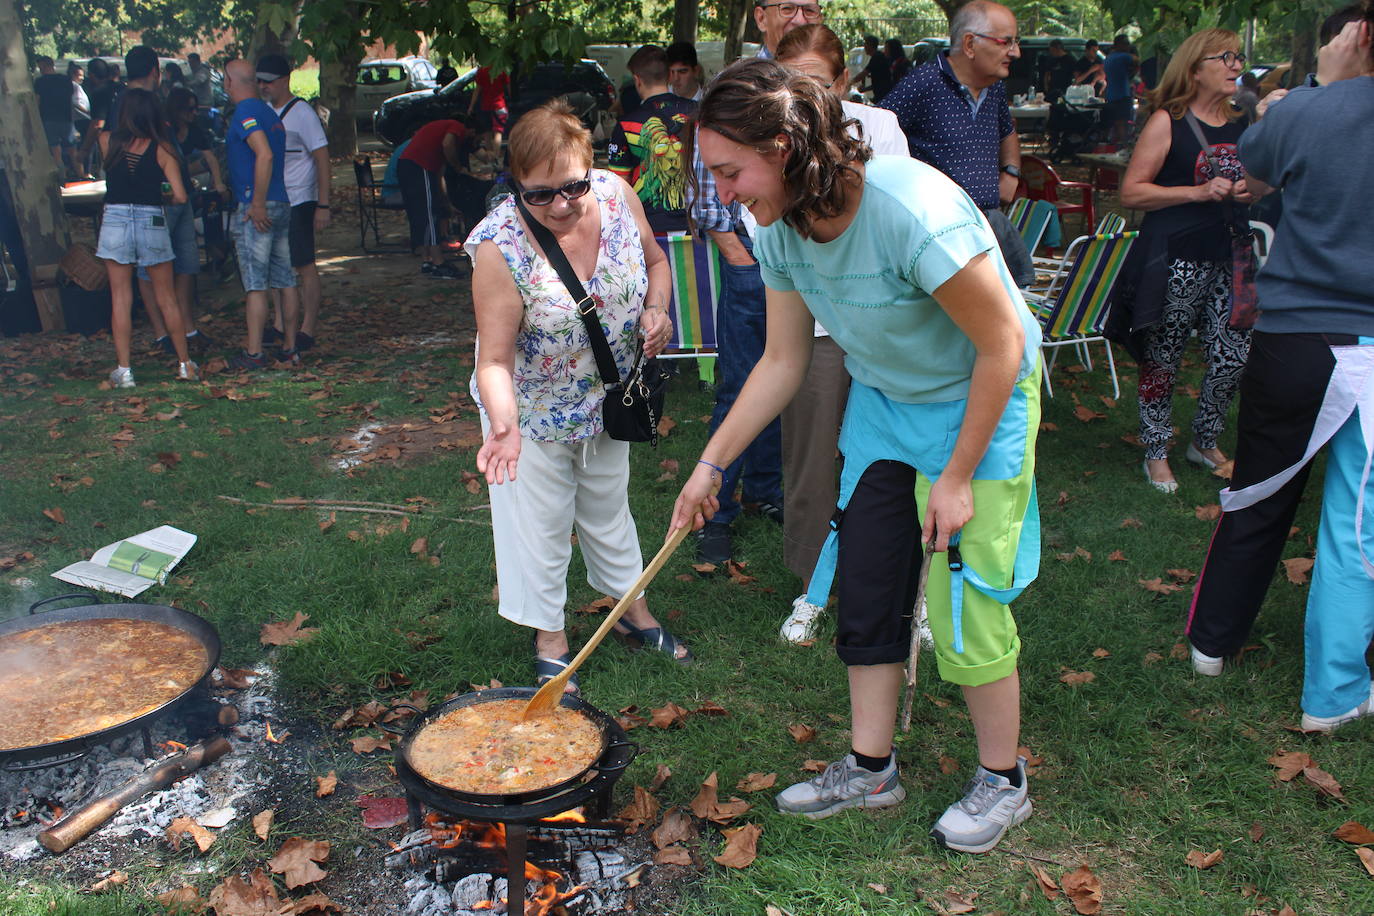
(1197, 297)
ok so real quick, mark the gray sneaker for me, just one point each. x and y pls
(844, 784)
(989, 807)
(122, 377)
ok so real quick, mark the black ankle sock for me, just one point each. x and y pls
(1013, 775)
(872, 764)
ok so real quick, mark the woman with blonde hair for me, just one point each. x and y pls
(1178, 276)
(811, 423)
(536, 383)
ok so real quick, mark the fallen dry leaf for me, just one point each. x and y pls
(757, 782)
(640, 811)
(1207, 513)
(1087, 414)
(369, 743)
(667, 716)
(1203, 860)
(1116, 556)
(56, 515)
(801, 733)
(262, 823)
(878, 888)
(109, 882)
(1132, 523)
(287, 632)
(677, 827)
(666, 425)
(670, 468)
(1366, 858)
(708, 806)
(1178, 650)
(1182, 575)
(948, 765)
(255, 897)
(324, 785)
(1157, 584)
(741, 846)
(420, 546)
(1083, 889)
(815, 766)
(182, 900)
(204, 838)
(673, 855)
(1297, 568)
(1101, 653)
(1256, 832)
(957, 904)
(1323, 782)
(1152, 657)
(312, 904)
(599, 606)
(1289, 763)
(661, 776)
(236, 678)
(1047, 885)
(1077, 678)
(711, 708)
(297, 860)
(1354, 832)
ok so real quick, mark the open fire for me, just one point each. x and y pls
(571, 867)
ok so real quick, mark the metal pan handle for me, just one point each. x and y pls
(398, 731)
(85, 596)
(634, 752)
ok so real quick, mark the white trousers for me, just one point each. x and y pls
(559, 487)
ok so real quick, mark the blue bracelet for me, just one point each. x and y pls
(714, 467)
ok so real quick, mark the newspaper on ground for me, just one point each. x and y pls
(132, 565)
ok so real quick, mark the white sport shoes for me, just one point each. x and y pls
(990, 807)
(1209, 665)
(1330, 724)
(844, 784)
(122, 377)
(800, 625)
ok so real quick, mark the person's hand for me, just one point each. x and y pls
(656, 329)
(1216, 189)
(697, 502)
(223, 192)
(258, 214)
(321, 218)
(740, 258)
(948, 509)
(1264, 103)
(1241, 193)
(1345, 55)
(498, 455)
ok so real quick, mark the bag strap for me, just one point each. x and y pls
(586, 305)
(1227, 210)
(289, 105)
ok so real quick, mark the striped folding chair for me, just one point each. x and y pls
(1072, 309)
(696, 270)
(1031, 218)
(1110, 224)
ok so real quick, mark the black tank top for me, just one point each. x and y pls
(1186, 166)
(135, 178)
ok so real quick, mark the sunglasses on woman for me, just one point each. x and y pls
(542, 197)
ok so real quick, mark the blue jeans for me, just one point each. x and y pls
(265, 257)
(740, 334)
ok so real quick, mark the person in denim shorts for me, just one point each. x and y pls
(133, 230)
(262, 224)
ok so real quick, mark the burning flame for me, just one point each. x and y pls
(574, 816)
(273, 738)
(172, 747)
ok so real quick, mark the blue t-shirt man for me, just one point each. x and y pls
(250, 116)
(1117, 68)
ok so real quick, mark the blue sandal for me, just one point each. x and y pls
(657, 639)
(546, 669)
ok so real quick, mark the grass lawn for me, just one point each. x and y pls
(1141, 766)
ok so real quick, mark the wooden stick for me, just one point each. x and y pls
(81, 823)
(915, 652)
(326, 507)
(304, 501)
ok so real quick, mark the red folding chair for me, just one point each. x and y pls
(1042, 182)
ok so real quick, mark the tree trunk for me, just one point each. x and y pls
(1304, 56)
(738, 19)
(33, 176)
(685, 21)
(338, 89)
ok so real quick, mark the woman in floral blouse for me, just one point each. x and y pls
(548, 461)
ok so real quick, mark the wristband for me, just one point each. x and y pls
(321, 206)
(714, 467)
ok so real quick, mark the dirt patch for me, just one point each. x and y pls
(406, 442)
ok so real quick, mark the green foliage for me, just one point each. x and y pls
(95, 27)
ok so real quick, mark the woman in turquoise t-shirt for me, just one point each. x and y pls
(939, 433)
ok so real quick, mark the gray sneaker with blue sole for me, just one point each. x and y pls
(844, 784)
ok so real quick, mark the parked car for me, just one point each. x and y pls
(383, 78)
(586, 87)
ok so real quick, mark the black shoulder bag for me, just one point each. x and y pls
(1244, 300)
(632, 408)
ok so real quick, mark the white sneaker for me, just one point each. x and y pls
(800, 625)
(122, 377)
(844, 784)
(1209, 665)
(188, 371)
(1325, 724)
(990, 807)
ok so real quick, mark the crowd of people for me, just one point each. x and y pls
(870, 297)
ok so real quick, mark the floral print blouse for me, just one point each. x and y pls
(557, 387)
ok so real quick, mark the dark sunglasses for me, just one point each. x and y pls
(542, 197)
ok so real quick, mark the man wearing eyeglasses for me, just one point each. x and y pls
(741, 319)
(955, 115)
